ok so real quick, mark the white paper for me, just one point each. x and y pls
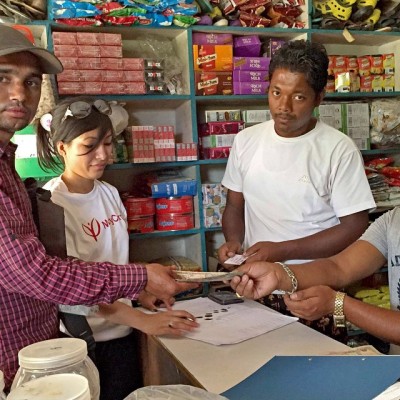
(237, 259)
(233, 323)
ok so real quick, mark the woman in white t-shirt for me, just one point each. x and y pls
(77, 137)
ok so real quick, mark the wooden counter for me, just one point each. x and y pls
(168, 360)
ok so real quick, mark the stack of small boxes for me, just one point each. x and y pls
(212, 60)
(250, 71)
(369, 73)
(154, 77)
(217, 131)
(150, 143)
(214, 201)
(218, 128)
(93, 64)
(147, 144)
(350, 118)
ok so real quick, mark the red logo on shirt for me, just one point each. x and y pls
(94, 227)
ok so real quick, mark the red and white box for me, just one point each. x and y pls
(69, 75)
(64, 38)
(133, 64)
(98, 38)
(89, 63)
(92, 88)
(70, 87)
(143, 144)
(133, 76)
(135, 88)
(186, 151)
(110, 51)
(220, 128)
(112, 87)
(112, 76)
(69, 62)
(110, 63)
(68, 50)
(164, 143)
(215, 152)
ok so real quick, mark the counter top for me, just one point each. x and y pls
(218, 368)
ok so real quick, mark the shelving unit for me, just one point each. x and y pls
(182, 110)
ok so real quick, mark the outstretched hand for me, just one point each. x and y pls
(259, 279)
(161, 282)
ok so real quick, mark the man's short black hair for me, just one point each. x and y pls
(303, 56)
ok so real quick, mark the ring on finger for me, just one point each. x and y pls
(171, 325)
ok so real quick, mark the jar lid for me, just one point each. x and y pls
(53, 387)
(53, 353)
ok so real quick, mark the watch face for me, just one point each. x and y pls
(339, 321)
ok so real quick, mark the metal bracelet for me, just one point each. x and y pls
(291, 276)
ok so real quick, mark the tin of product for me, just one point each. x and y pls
(170, 205)
(139, 206)
(174, 222)
(141, 225)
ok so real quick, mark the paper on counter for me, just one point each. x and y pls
(233, 323)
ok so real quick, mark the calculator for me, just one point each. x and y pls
(225, 297)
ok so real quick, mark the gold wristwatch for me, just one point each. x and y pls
(339, 320)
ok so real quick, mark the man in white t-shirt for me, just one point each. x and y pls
(297, 189)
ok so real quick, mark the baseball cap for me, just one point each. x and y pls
(14, 41)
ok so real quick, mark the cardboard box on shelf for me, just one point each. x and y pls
(212, 38)
(250, 76)
(256, 116)
(220, 128)
(251, 63)
(250, 87)
(220, 116)
(212, 57)
(350, 118)
(212, 141)
(214, 193)
(247, 46)
(213, 83)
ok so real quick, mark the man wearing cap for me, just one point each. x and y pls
(32, 282)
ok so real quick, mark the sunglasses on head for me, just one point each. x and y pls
(82, 109)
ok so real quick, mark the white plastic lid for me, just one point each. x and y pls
(53, 353)
(53, 387)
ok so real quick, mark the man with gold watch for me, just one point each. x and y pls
(315, 288)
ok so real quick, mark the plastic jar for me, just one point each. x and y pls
(53, 387)
(2, 385)
(57, 356)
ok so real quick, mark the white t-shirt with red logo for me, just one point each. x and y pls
(96, 230)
